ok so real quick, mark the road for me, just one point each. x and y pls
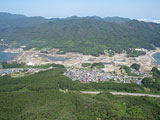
(134, 94)
(121, 93)
(91, 92)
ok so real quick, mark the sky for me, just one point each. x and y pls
(135, 9)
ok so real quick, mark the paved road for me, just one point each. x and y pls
(134, 94)
(91, 92)
(121, 93)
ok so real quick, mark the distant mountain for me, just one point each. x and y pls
(107, 19)
(72, 18)
(8, 21)
(116, 19)
(88, 35)
(11, 21)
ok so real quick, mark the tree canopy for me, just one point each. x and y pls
(135, 66)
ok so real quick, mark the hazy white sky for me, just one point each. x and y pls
(138, 9)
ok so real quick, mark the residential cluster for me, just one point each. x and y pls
(96, 75)
(144, 74)
(86, 76)
(18, 70)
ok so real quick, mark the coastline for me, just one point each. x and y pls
(33, 56)
(154, 52)
(5, 56)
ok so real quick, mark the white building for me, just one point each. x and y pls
(140, 49)
(30, 64)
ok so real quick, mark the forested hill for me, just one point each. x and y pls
(106, 19)
(8, 21)
(89, 35)
(42, 96)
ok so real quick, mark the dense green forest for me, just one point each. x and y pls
(37, 97)
(88, 35)
(11, 21)
(135, 66)
(154, 82)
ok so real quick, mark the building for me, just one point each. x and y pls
(140, 49)
(30, 64)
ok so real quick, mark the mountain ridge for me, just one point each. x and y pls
(88, 35)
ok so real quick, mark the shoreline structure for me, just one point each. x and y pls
(33, 57)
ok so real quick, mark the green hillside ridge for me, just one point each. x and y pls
(11, 21)
(88, 35)
(37, 97)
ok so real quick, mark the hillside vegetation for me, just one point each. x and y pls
(37, 97)
(88, 35)
(10, 21)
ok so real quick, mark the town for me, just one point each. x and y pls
(98, 75)
(111, 71)
(19, 72)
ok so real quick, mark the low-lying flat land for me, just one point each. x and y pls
(76, 59)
